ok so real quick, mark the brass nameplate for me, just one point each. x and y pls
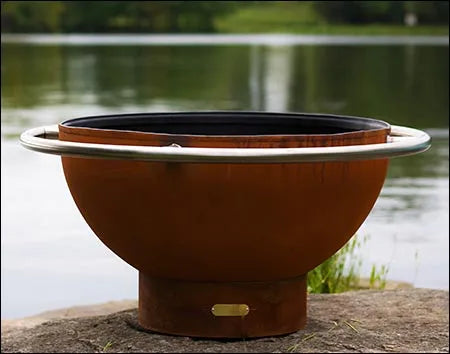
(230, 310)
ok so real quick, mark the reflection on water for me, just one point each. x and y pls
(47, 246)
(395, 83)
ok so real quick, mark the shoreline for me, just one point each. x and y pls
(106, 308)
(274, 39)
(403, 320)
(77, 311)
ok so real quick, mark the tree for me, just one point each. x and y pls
(32, 16)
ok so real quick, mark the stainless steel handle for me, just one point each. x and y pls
(402, 141)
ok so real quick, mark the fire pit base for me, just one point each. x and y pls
(222, 310)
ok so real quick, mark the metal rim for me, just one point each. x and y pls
(402, 141)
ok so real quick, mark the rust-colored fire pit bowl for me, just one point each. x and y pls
(224, 213)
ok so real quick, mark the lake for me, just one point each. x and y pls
(50, 257)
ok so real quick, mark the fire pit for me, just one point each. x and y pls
(224, 213)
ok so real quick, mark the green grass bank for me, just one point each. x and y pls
(301, 18)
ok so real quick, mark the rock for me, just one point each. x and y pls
(403, 320)
(71, 312)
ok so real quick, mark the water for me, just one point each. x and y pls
(50, 257)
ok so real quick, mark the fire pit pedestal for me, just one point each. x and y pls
(184, 308)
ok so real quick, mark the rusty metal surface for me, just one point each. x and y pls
(184, 307)
(223, 233)
(223, 222)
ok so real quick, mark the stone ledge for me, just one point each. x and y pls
(403, 320)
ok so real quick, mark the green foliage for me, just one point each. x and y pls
(361, 11)
(112, 16)
(341, 272)
(269, 16)
(382, 11)
(378, 278)
(333, 17)
(429, 11)
(208, 16)
(32, 16)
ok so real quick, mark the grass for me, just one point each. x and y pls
(107, 346)
(293, 348)
(341, 272)
(300, 18)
